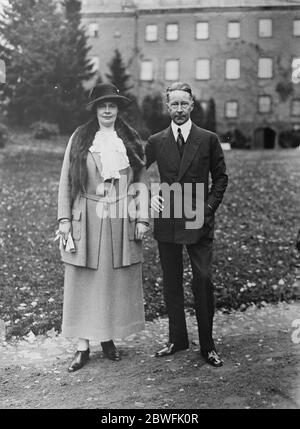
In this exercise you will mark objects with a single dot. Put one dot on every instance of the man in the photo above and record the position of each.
(186, 154)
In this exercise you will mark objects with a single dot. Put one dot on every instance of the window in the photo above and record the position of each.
(93, 30)
(202, 30)
(233, 30)
(204, 105)
(264, 104)
(296, 70)
(146, 70)
(172, 32)
(172, 70)
(151, 33)
(265, 28)
(265, 68)
(295, 108)
(232, 68)
(95, 62)
(231, 109)
(296, 63)
(203, 69)
(296, 27)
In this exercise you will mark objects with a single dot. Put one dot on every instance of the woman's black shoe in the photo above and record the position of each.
(79, 360)
(110, 351)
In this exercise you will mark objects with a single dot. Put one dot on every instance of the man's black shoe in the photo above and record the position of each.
(212, 358)
(170, 349)
(79, 360)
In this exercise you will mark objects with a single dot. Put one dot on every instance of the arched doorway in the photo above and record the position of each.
(264, 138)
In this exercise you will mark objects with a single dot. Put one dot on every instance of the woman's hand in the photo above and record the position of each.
(140, 230)
(64, 229)
(157, 203)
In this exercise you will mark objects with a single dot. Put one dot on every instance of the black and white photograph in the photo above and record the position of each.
(149, 207)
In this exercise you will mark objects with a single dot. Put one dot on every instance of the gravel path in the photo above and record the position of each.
(260, 347)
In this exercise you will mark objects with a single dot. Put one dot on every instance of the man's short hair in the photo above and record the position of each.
(179, 86)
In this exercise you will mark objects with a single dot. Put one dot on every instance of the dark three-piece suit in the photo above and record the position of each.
(202, 156)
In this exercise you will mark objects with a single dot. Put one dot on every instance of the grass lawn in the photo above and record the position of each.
(255, 231)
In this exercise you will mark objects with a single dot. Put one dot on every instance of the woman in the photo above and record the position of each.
(103, 296)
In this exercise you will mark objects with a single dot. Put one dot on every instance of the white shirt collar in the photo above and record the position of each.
(112, 152)
(185, 129)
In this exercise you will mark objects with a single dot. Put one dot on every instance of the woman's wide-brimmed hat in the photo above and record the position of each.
(106, 91)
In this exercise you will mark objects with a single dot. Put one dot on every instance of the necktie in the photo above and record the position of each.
(180, 142)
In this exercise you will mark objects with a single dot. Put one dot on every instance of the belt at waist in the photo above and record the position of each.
(105, 199)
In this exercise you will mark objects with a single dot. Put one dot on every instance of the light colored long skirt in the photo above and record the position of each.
(106, 303)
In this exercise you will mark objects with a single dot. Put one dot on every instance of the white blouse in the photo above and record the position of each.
(112, 152)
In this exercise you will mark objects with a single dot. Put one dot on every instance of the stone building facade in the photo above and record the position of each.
(243, 54)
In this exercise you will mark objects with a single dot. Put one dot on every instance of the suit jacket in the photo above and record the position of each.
(203, 156)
